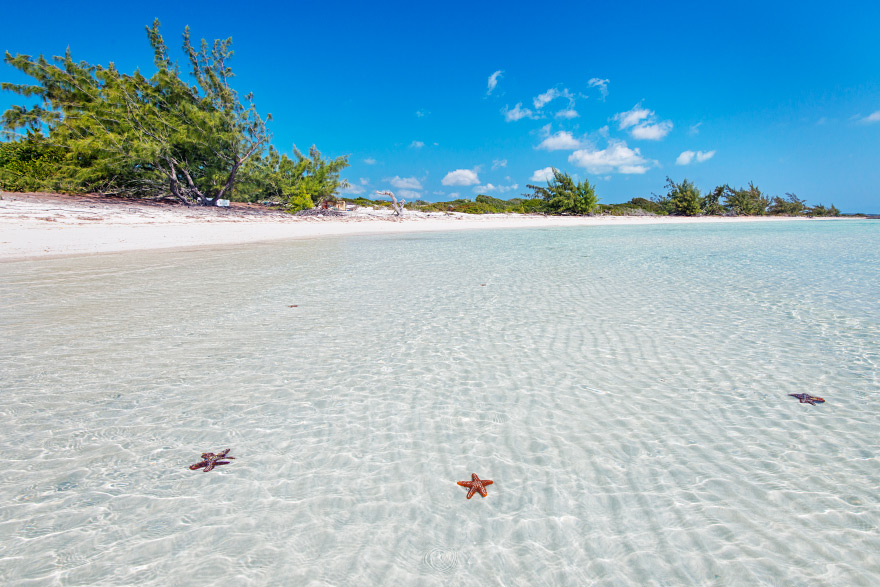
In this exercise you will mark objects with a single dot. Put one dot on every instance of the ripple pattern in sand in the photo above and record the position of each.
(625, 388)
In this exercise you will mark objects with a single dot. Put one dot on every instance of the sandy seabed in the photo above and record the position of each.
(36, 225)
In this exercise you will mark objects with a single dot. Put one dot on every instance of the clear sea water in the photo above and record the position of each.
(626, 388)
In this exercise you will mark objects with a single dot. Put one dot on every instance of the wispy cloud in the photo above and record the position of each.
(489, 188)
(545, 174)
(871, 118)
(542, 100)
(559, 141)
(568, 113)
(688, 157)
(461, 177)
(602, 84)
(615, 158)
(404, 182)
(365, 180)
(497, 163)
(421, 113)
(409, 195)
(643, 124)
(353, 190)
(632, 117)
(695, 128)
(370, 161)
(493, 81)
(516, 113)
(651, 132)
(416, 145)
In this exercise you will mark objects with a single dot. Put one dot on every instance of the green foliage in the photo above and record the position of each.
(748, 202)
(140, 136)
(279, 179)
(711, 203)
(683, 198)
(820, 210)
(790, 206)
(29, 164)
(563, 196)
(299, 199)
(159, 136)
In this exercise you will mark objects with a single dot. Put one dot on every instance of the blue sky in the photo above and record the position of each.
(785, 94)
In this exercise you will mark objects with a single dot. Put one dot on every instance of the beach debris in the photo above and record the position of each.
(396, 206)
(293, 306)
(476, 484)
(210, 460)
(806, 398)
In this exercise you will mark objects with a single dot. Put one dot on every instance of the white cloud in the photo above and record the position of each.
(542, 100)
(370, 161)
(873, 117)
(409, 195)
(421, 113)
(602, 84)
(651, 132)
(365, 180)
(704, 156)
(695, 128)
(617, 157)
(643, 124)
(488, 188)
(568, 113)
(416, 145)
(453, 195)
(516, 113)
(499, 163)
(404, 182)
(632, 117)
(560, 141)
(493, 80)
(687, 157)
(545, 174)
(461, 177)
(353, 189)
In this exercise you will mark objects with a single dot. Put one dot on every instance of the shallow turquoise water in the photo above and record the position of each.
(624, 387)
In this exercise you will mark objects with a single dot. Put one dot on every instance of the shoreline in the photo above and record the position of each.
(44, 226)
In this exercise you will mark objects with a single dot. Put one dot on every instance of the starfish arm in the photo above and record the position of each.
(222, 453)
(222, 462)
(487, 482)
(483, 491)
(198, 465)
(472, 491)
(466, 483)
(210, 466)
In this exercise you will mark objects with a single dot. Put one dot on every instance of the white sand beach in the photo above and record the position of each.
(53, 225)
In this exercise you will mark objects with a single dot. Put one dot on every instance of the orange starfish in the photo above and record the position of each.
(476, 484)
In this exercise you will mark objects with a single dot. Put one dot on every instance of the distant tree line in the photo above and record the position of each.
(562, 195)
(685, 199)
(97, 130)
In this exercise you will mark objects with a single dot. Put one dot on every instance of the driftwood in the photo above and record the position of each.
(396, 206)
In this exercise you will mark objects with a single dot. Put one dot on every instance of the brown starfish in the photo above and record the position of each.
(210, 460)
(476, 484)
(806, 398)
